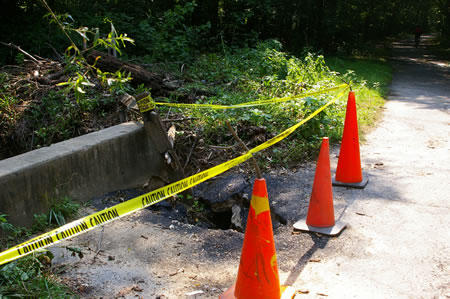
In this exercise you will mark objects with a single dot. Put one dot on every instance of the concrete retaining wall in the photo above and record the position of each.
(119, 157)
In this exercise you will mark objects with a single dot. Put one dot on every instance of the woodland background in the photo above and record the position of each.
(178, 29)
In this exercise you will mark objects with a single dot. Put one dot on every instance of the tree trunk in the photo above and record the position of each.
(139, 75)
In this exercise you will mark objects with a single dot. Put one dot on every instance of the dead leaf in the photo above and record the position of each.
(83, 287)
(379, 165)
(302, 292)
(314, 260)
(124, 291)
(127, 290)
(181, 270)
(171, 133)
(322, 294)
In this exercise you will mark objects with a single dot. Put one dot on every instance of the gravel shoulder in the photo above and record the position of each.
(395, 246)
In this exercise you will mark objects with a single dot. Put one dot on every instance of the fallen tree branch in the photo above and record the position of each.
(109, 63)
(11, 45)
(255, 164)
(60, 58)
(223, 147)
(179, 119)
(190, 154)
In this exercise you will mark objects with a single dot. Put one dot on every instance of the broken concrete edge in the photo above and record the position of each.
(120, 157)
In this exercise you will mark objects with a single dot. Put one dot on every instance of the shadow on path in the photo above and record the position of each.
(319, 243)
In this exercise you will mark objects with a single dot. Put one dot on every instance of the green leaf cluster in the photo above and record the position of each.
(57, 215)
(29, 277)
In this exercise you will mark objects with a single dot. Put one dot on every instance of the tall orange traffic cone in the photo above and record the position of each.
(348, 172)
(320, 218)
(258, 270)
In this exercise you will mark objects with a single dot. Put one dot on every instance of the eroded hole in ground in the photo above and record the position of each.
(222, 220)
(230, 213)
(223, 203)
(227, 214)
(219, 204)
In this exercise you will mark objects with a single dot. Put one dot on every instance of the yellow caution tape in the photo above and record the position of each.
(147, 103)
(88, 223)
(291, 130)
(115, 212)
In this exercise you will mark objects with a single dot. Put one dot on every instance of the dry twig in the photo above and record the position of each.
(190, 154)
(11, 45)
(255, 164)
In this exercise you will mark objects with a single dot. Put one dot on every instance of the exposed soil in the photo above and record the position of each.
(395, 245)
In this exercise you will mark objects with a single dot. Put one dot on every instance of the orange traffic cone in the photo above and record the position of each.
(320, 218)
(348, 172)
(258, 270)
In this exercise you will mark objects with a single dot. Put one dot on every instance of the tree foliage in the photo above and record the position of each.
(164, 29)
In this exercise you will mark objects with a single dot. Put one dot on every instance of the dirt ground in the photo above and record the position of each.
(396, 244)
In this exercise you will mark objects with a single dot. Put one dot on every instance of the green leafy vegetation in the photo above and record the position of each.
(8, 115)
(32, 117)
(231, 76)
(63, 210)
(241, 75)
(5, 225)
(57, 215)
(31, 276)
(179, 30)
(372, 78)
(60, 211)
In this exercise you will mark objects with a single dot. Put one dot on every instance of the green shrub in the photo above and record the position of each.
(265, 72)
(54, 119)
(29, 277)
(241, 75)
(62, 210)
(59, 212)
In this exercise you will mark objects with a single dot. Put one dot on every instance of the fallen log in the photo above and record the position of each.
(139, 75)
